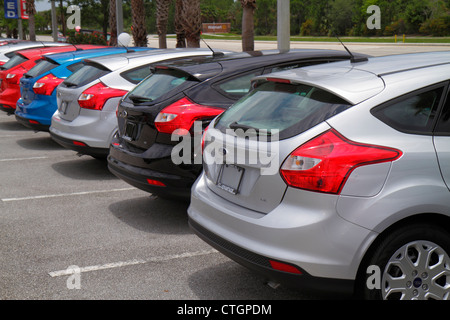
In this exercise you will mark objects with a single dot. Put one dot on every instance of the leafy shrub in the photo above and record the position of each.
(307, 28)
(86, 38)
(438, 27)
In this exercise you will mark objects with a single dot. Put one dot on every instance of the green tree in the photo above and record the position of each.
(31, 11)
(248, 8)
(340, 17)
(162, 17)
(112, 23)
(265, 17)
(191, 22)
(138, 29)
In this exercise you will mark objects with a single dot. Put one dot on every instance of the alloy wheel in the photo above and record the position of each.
(419, 270)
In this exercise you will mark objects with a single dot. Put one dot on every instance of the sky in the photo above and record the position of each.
(42, 5)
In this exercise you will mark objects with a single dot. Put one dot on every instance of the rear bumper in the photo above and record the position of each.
(7, 108)
(36, 115)
(173, 185)
(31, 123)
(89, 133)
(79, 146)
(8, 99)
(304, 231)
(262, 265)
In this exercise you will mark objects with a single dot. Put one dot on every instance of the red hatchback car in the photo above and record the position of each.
(19, 64)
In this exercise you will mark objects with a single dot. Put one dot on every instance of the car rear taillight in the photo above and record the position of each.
(14, 77)
(46, 85)
(95, 97)
(324, 163)
(182, 114)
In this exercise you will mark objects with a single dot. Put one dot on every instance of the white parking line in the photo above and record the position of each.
(16, 135)
(21, 159)
(120, 264)
(65, 194)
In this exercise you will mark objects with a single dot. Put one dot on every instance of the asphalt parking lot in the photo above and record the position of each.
(69, 229)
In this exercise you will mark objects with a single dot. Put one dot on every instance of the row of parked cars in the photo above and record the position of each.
(314, 168)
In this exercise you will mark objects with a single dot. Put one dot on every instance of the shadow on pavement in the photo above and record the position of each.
(84, 168)
(153, 214)
(39, 143)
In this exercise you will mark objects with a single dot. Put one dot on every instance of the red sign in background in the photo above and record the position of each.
(23, 9)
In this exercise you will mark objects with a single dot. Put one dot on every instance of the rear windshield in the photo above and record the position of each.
(287, 109)
(75, 66)
(136, 75)
(85, 75)
(13, 62)
(158, 84)
(10, 54)
(41, 67)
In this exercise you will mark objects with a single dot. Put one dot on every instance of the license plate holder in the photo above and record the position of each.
(130, 132)
(63, 107)
(230, 178)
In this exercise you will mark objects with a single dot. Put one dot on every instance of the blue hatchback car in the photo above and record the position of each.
(38, 95)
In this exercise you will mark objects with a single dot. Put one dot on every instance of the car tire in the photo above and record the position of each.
(411, 263)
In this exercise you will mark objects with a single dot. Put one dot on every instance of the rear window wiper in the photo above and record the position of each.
(70, 84)
(138, 99)
(235, 125)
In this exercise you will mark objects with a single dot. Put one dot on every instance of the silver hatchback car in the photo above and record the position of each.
(87, 100)
(336, 177)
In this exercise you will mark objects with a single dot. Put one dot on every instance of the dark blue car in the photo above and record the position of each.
(38, 95)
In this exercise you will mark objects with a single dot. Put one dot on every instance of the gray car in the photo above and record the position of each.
(336, 177)
(87, 100)
(8, 49)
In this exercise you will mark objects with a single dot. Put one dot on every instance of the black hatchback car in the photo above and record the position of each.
(174, 97)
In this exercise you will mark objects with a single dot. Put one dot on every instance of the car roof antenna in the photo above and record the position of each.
(352, 57)
(215, 54)
(76, 48)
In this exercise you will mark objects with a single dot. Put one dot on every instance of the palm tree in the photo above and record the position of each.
(113, 22)
(31, 11)
(179, 30)
(248, 7)
(187, 22)
(138, 23)
(63, 20)
(162, 16)
(192, 22)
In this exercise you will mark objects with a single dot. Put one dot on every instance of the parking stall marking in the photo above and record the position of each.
(65, 194)
(15, 135)
(21, 159)
(120, 264)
